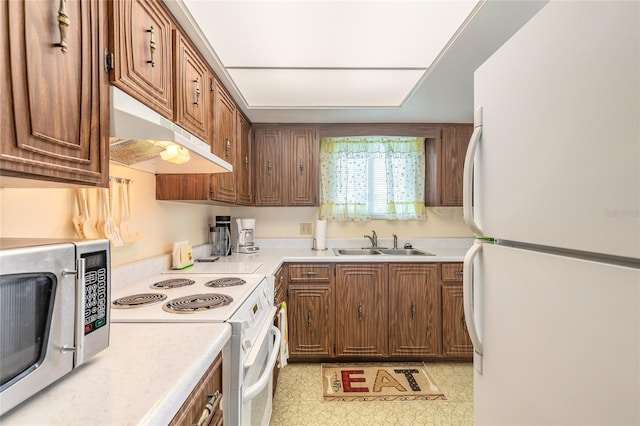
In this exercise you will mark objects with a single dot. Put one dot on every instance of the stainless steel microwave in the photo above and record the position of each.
(54, 311)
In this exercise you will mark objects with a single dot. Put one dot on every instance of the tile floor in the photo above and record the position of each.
(298, 401)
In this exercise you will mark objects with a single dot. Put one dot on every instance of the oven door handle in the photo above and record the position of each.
(259, 385)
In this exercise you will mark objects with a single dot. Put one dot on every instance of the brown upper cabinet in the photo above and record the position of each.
(445, 164)
(142, 47)
(55, 98)
(244, 161)
(191, 86)
(224, 143)
(287, 166)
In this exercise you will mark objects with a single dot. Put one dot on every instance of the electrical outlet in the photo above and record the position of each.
(305, 229)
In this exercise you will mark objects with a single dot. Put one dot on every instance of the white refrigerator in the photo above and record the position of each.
(552, 190)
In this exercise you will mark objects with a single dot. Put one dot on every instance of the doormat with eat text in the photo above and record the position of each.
(378, 382)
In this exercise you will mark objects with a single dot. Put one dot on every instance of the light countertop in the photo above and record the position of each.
(144, 376)
(274, 253)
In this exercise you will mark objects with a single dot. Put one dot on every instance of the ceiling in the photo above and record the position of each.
(310, 61)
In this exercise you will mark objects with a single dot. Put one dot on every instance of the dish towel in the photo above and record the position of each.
(282, 325)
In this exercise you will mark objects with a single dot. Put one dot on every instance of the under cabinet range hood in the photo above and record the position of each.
(142, 139)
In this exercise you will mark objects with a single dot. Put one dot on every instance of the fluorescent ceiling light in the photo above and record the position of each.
(377, 40)
(322, 88)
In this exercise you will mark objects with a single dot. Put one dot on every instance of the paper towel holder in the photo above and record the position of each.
(314, 247)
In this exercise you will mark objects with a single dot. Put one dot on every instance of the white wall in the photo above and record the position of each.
(284, 222)
(47, 212)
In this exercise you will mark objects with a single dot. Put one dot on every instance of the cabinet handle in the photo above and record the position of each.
(413, 311)
(360, 315)
(309, 319)
(152, 46)
(459, 272)
(63, 25)
(301, 166)
(208, 409)
(246, 162)
(269, 167)
(197, 91)
(310, 273)
(227, 150)
(464, 323)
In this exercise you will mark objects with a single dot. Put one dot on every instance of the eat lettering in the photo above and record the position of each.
(383, 379)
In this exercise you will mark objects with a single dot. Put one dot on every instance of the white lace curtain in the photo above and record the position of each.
(373, 175)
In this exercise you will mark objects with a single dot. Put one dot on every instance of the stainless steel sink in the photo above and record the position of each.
(406, 252)
(356, 252)
(380, 251)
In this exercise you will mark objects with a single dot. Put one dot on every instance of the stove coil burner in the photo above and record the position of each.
(138, 300)
(173, 283)
(226, 282)
(196, 303)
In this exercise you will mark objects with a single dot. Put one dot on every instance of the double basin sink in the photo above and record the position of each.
(373, 251)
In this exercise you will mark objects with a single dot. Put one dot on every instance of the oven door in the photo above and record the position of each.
(257, 381)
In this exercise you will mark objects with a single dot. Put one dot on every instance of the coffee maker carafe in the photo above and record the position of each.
(244, 235)
(220, 236)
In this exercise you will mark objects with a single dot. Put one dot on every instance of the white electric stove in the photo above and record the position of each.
(244, 301)
(224, 300)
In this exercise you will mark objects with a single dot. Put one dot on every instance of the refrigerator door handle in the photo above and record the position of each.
(467, 177)
(467, 297)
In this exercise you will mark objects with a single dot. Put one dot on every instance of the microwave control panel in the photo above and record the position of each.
(95, 291)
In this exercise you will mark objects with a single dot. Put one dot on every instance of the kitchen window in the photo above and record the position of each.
(372, 177)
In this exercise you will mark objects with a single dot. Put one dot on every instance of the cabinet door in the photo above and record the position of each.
(270, 169)
(55, 115)
(141, 43)
(311, 320)
(191, 80)
(414, 310)
(304, 166)
(361, 310)
(243, 167)
(207, 390)
(455, 337)
(280, 285)
(224, 144)
(455, 140)
(195, 187)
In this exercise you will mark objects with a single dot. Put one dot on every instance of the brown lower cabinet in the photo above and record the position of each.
(279, 296)
(376, 311)
(207, 390)
(311, 310)
(455, 337)
(361, 311)
(414, 311)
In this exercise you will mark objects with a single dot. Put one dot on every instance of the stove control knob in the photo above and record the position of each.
(246, 344)
(245, 324)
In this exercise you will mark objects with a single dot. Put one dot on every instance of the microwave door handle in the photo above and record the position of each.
(80, 308)
(257, 387)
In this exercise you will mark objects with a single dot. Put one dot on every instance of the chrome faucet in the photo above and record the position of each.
(395, 241)
(373, 239)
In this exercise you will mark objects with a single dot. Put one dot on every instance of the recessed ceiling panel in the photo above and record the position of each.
(337, 34)
(320, 88)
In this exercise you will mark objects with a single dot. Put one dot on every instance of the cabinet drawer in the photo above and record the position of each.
(310, 272)
(452, 272)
